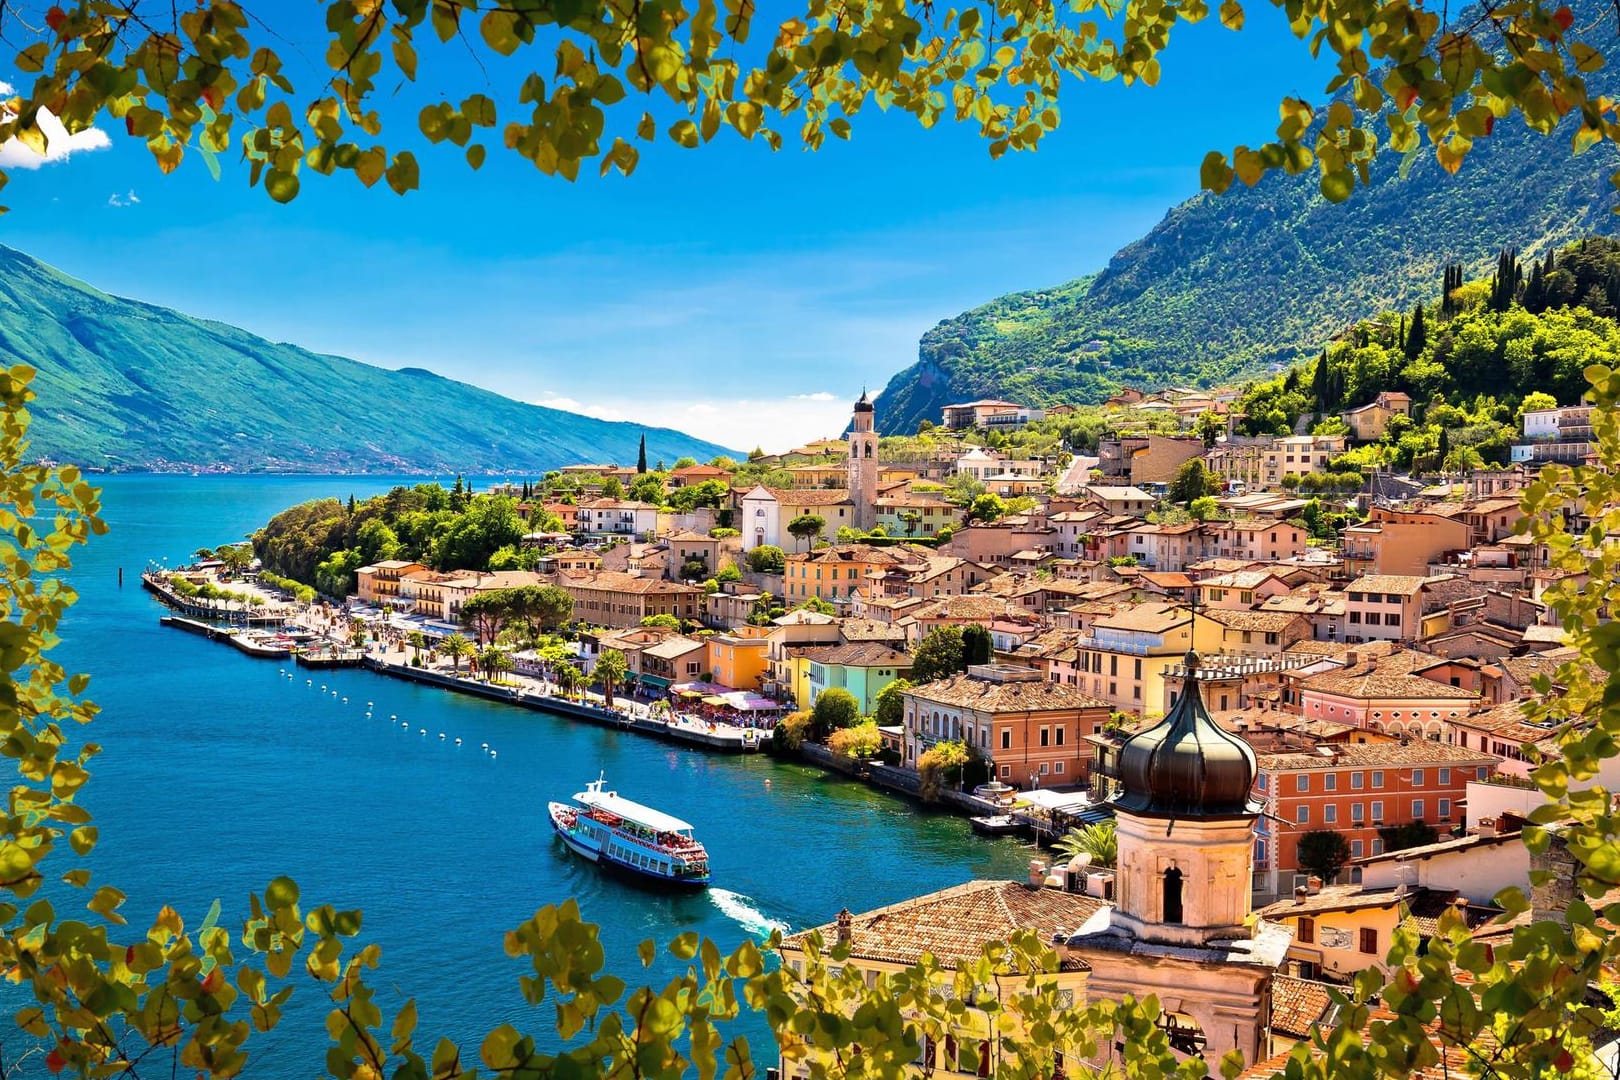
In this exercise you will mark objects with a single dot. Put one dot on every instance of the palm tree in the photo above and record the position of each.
(457, 646)
(493, 661)
(611, 669)
(237, 557)
(416, 640)
(1100, 841)
(568, 678)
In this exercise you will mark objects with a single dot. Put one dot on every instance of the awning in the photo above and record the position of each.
(1067, 802)
(653, 680)
(716, 700)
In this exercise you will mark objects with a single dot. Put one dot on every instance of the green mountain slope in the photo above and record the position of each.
(128, 385)
(1229, 285)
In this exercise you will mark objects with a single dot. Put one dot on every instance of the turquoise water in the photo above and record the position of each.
(219, 774)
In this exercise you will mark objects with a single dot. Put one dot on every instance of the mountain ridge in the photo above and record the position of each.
(1225, 287)
(128, 385)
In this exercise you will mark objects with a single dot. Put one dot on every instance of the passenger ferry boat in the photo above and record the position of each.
(623, 835)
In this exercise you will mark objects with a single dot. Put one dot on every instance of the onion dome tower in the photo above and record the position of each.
(1186, 817)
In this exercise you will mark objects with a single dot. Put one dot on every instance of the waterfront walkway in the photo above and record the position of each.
(391, 658)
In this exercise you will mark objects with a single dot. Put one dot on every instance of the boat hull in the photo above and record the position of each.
(585, 846)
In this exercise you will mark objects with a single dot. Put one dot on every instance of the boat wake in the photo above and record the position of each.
(741, 910)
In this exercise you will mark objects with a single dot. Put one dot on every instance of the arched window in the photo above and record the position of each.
(1172, 895)
(868, 449)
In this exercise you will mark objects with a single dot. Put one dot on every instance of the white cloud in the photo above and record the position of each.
(59, 145)
(775, 424)
(120, 201)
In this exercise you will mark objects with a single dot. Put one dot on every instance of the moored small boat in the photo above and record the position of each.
(614, 832)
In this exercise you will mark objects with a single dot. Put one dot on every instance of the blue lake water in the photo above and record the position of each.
(219, 774)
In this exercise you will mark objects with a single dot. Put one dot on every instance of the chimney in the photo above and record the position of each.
(1351, 658)
(1300, 893)
(1315, 884)
(1037, 873)
(846, 927)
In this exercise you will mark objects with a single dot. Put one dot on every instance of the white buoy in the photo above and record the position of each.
(345, 701)
(422, 731)
(323, 688)
(458, 742)
(369, 704)
(492, 753)
(404, 723)
(393, 716)
(309, 682)
(441, 734)
(484, 746)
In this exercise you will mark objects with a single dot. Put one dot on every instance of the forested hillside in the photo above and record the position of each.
(1235, 284)
(1473, 358)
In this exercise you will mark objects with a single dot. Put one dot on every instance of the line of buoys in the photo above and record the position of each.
(405, 725)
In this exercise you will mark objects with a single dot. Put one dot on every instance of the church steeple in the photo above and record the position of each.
(863, 463)
(1185, 817)
(1186, 765)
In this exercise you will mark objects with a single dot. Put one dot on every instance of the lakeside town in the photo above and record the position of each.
(1006, 636)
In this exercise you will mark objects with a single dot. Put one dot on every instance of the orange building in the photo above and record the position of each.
(1356, 789)
(740, 658)
(1031, 731)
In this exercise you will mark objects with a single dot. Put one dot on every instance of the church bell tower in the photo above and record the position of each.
(863, 464)
(1186, 827)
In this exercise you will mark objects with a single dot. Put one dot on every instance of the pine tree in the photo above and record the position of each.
(641, 455)
(1417, 336)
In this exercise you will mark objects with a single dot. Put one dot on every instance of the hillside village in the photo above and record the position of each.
(1269, 692)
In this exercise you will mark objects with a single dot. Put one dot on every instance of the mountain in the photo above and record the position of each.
(127, 385)
(1234, 284)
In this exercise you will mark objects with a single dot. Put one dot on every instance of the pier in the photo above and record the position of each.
(724, 738)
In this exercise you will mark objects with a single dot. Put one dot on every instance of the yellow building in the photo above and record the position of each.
(837, 572)
(740, 658)
(1342, 929)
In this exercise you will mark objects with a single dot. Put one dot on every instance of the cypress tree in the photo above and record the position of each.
(641, 455)
(1444, 449)
(1417, 336)
(351, 504)
(1319, 383)
(1400, 335)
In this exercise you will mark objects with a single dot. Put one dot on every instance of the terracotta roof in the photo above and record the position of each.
(1400, 584)
(961, 607)
(622, 582)
(953, 925)
(1153, 618)
(869, 630)
(1501, 718)
(983, 695)
(1367, 682)
(863, 553)
(1299, 1005)
(859, 654)
(1376, 755)
(1239, 579)
(1271, 622)
(675, 646)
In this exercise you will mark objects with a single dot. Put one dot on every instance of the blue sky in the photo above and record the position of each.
(741, 295)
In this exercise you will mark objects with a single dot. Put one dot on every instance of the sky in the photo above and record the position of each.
(742, 296)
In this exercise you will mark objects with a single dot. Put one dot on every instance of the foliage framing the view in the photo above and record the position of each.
(213, 78)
